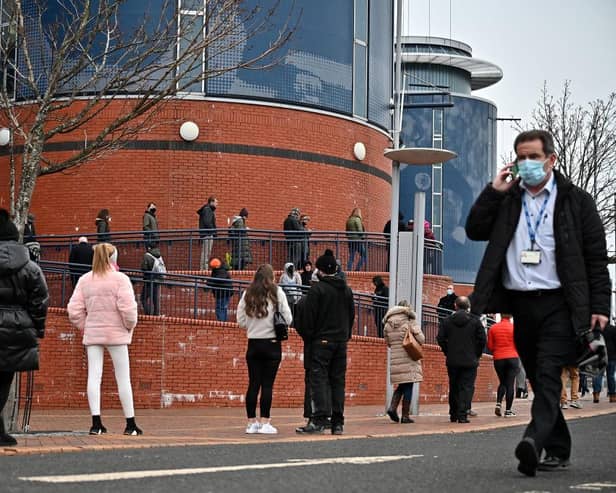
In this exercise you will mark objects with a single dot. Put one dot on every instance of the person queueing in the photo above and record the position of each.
(506, 363)
(255, 313)
(23, 309)
(103, 306)
(404, 370)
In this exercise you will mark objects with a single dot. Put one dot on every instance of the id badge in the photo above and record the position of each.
(531, 257)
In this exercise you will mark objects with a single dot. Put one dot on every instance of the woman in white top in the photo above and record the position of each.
(255, 312)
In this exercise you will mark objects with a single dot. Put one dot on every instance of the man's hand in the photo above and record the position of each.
(596, 318)
(500, 182)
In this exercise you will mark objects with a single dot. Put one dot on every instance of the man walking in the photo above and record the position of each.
(546, 264)
(462, 339)
(446, 303)
(207, 230)
(327, 321)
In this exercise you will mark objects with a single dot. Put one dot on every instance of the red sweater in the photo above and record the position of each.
(500, 340)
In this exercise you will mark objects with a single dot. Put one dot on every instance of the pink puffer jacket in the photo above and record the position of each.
(104, 307)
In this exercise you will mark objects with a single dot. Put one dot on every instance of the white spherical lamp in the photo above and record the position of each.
(5, 136)
(359, 151)
(189, 131)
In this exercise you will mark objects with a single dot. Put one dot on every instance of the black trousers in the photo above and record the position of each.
(461, 389)
(506, 369)
(307, 391)
(6, 378)
(263, 357)
(328, 374)
(545, 340)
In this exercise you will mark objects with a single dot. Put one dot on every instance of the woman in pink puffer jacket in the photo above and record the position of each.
(103, 306)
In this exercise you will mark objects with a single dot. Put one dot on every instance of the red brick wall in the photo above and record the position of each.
(178, 362)
(180, 182)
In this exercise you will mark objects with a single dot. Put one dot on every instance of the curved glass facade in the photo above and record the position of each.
(469, 129)
(339, 57)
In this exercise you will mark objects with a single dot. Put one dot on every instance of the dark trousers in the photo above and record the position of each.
(149, 298)
(545, 341)
(6, 378)
(307, 391)
(506, 369)
(461, 389)
(328, 374)
(263, 357)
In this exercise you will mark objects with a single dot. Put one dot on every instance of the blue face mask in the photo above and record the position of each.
(531, 171)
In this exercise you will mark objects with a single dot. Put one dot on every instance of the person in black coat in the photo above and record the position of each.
(462, 338)
(380, 304)
(150, 293)
(103, 228)
(23, 309)
(610, 345)
(207, 230)
(294, 234)
(546, 264)
(80, 259)
(446, 303)
(221, 287)
(327, 315)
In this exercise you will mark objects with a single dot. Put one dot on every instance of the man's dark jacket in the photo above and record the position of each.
(327, 311)
(291, 224)
(462, 339)
(207, 221)
(447, 302)
(81, 254)
(23, 308)
(581, 257)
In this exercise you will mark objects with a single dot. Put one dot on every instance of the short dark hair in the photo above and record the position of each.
(462, 303)
(211, 199)
(377, 280)
(543, 135)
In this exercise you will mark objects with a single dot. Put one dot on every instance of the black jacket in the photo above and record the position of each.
(23, 308)
(220, 283)
(81, 254)
(207, 220)
(290, 225)
(328, 311)
(462, 339)
(581, 256)
(610, 341)
(147, 264)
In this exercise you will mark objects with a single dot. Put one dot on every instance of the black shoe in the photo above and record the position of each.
(7, 440)
(526, 453)
(301, 429)
(133, 430)
(337, 429)
(463, 420)
(551, 463)
(328, 425)
(393, 415)
(406, 419)
(453, 419)
(98, 430)
(312, 429)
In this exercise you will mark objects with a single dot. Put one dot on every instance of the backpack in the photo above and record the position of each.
(159, 265)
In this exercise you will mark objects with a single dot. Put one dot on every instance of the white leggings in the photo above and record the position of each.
(121, 367)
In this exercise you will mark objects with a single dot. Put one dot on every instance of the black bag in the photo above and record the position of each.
(280, 326)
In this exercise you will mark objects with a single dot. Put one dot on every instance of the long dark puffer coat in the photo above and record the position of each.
(23, 308)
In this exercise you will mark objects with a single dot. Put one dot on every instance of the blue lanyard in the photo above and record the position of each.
(532, 232)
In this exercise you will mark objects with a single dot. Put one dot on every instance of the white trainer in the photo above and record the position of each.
(576, 404)
(253, 428)
(267, 429)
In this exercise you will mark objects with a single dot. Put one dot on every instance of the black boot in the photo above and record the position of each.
(97, 426)
(406, 412)
(6, 440)
(132, 428)
(392, 410)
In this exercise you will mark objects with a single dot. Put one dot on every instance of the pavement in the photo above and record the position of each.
(57, 431)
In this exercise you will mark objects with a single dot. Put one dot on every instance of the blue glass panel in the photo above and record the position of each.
(314, 67)
(361, 20)
(380, 63)
(468, 131)
(360, 82)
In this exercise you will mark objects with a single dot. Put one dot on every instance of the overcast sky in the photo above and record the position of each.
(532, 42)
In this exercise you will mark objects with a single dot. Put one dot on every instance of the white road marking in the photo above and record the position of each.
(593, 486)
(116, 476)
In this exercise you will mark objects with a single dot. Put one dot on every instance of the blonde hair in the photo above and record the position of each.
(101, 263)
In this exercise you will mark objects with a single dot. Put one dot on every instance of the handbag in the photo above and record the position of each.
(411, 346)
(281, 327)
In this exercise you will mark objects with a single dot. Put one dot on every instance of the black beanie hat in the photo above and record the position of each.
(327, 264)
(8, 230)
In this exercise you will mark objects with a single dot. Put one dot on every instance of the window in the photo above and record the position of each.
(191, 31)
(360, 59)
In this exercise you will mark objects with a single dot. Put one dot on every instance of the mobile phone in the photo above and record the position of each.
(514, 170)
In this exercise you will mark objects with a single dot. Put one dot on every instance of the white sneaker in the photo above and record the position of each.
(576, 404)
(253, 428)
(564, 405)
(267, 429)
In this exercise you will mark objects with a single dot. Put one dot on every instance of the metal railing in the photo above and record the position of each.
(194, 297)
(246, 249)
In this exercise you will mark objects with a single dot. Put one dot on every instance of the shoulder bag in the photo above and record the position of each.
(411, 346)
(280, 326)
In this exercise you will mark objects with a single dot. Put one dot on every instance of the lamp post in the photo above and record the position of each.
(413, 156)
